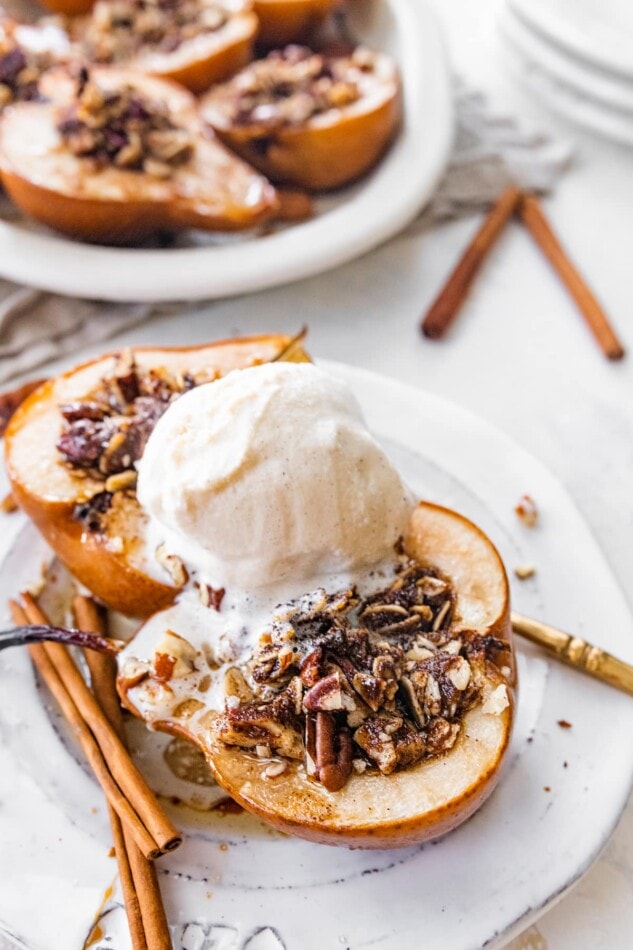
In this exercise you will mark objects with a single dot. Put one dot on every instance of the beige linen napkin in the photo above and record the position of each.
(36, 327)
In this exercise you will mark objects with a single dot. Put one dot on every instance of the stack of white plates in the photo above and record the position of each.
(577, 55)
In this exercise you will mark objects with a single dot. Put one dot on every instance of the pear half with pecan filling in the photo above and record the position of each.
(71, 449)
(117, 157)
(192, 42)
(307, 119)
(390, 730)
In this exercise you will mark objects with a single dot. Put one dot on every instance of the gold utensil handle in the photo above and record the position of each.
(577, 653)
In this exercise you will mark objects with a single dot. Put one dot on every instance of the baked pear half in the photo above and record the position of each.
(387, 728)
(70, 453)
(306, 119)
(192, 42)
(290, 21)
(117, 157)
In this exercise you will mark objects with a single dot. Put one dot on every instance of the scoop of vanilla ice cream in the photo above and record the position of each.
(270, 474)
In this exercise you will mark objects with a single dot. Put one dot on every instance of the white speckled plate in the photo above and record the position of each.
(589, 96)
(235, 885)
(612, 91)
(597, 31)
(347, 224)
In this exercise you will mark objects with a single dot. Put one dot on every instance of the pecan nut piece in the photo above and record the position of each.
(390, 742)
(333, 751)
(255, 724)
(325, 696)
(310, 671)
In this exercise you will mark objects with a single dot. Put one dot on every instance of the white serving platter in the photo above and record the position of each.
(346, 225)
(236, 885)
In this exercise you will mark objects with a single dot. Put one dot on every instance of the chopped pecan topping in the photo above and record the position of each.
(333, 752)
(173, 565)
(441, 736)
(236, 688)
(293, 85)
(211, 596)
(326, 695)
(381, 680)
(105, 434)
(412, 701)
(125, 129)
(478, 649)
(390, 742)
(134, 672)
(122, 481)
(310, 671)
(348, 684)
(174, 657)
(164, 667)
(275, 724)
(91, 512)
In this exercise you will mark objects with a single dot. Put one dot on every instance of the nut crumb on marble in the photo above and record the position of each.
(525, 571)
(526, 511)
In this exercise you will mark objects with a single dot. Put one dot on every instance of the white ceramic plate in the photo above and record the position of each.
(346, 226)
(235, 885)
(598, 31)
(615, 92)
(569, 100)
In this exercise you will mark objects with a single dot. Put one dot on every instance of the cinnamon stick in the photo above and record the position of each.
(123, 770)
(123, 844)
(446, 305)
(103, 668)
(87, 741)
(145, 910)
(533, 217)
(88, 618)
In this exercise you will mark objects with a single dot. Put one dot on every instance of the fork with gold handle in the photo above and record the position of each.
(576, 653)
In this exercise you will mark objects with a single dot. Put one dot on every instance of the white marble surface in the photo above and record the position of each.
(519, 355)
